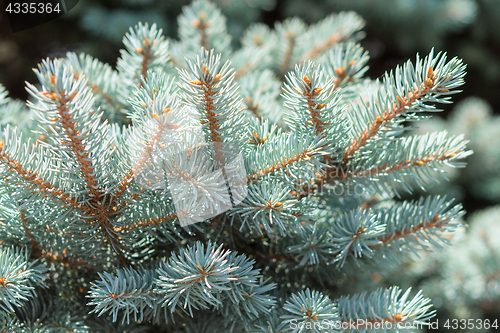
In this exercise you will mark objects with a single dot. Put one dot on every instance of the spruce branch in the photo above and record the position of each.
(127, 291)
(405, 93)
(37, 251)
(195, 277)
(310, 97)
(199, 278)
(408, 232)
(313, 102)
(18, 277)
(145, 49)
(400, 97)
(299, 43)
(289, 31)
(308, 310)
(101, 78)
(386, 233)
(309, 91)
(12, 156)
(412, 158)
(383, 307)
(159, 124)
(373, 233)
(89, 192)
(354, 233)
(313, 245)
(268, 208)
(330, 31)
(248, 294)
(65, 104)
(346, 62)
(65, 108)
(209, 88)
(202, 25)
(299, 157)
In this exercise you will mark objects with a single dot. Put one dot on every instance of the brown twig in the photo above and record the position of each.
(97, 90)
(310, 94)
(208, 102)
(201, 25)
(146, 53)
(434, 223)
(369, 202)
(253, 107)
(74, 136)
(245, 69)
(315, 51)
(288, 54)
(305, 155)
(402, 165)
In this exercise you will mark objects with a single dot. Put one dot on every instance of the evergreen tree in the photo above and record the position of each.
(198, 188)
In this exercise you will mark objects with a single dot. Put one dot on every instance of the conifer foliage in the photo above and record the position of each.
(198, 188)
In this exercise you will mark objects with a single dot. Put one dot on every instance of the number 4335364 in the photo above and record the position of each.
(470, 324)
(32, 8)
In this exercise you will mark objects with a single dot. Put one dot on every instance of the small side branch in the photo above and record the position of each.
(33, 178)
(436, 222)
(208, 102)
(305, 155)
(318, 49)
(209, 91)
(397, 109)
(74, 136)
(313, 107)
(127, 179)
(384, 169)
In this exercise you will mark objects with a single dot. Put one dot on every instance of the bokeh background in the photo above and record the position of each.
(463, 280)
